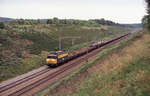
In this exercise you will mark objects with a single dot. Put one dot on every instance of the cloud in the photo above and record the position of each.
(122, 11)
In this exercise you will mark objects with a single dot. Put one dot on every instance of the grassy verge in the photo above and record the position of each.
(81, 70)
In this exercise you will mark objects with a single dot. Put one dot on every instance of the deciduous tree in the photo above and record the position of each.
(2, 25)
(146, 19)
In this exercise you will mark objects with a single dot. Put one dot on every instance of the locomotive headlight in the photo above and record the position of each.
(47, 61)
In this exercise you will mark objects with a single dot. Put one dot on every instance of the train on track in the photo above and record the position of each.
(59, 57)
(56, 58)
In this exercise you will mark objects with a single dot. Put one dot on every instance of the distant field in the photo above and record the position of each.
(24, 47)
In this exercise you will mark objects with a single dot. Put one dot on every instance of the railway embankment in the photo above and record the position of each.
(121, 69)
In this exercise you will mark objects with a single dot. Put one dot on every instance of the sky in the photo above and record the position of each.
(120, 11)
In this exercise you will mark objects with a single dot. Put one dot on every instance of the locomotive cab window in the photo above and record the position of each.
(54, 57)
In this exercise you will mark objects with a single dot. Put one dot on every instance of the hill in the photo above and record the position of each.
(5, 20)
(136, 25)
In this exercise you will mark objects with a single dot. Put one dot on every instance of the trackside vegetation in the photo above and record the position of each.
(100, 76)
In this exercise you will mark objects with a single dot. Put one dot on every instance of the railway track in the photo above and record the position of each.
(6, 87)
(49, 79)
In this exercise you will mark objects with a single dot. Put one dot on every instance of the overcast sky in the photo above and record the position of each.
(121, 11)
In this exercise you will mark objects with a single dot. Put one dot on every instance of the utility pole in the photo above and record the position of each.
(60, 43)
(87, 48)
(72, 37)
(73, 41)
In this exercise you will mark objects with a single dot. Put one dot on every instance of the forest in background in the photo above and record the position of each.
(146, 18)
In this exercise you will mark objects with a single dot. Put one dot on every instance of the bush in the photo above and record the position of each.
(2, 25)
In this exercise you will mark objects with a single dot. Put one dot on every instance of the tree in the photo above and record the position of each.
(2, 25)
(63, 21)
(38, 21)
(21, 21)
(56, 20)
(27, 22)
(148, 6)
(13, 22)
(76, 22)
(49, 21)
(146, 19)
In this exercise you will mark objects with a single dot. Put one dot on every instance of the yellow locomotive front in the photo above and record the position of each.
(51, 60)
(55, 58)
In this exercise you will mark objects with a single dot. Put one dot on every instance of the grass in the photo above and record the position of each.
(132, 80)
(62, 85)
(20, 66)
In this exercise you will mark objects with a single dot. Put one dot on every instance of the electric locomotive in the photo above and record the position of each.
(56, 58)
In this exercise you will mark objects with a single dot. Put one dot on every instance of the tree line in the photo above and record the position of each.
(93, 22)
(146, 18)
(25, 21)
(56, 21)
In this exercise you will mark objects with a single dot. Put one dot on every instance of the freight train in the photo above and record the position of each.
(56, 58)
(59, 57)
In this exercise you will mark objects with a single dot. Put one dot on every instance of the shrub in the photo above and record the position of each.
(2, 25)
